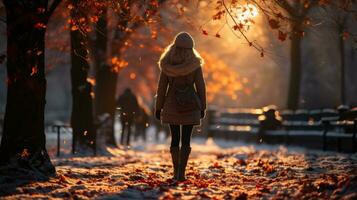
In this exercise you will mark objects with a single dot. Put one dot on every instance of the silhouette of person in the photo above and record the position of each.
(128, 108)
(270, 120)
(181, 97)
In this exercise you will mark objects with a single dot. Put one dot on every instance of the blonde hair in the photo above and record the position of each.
(177, 55)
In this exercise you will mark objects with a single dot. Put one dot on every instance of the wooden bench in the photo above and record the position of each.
(345, 125)
(244, 124)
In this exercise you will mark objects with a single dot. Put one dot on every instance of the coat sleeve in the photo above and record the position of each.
(201, 88)
(161, 91)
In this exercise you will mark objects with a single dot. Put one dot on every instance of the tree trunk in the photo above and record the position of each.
(342, 75)
(23, 136)
(84, 133)
(106, 80)
(295, 69)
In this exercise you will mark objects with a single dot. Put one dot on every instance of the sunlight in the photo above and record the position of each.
(246, 13)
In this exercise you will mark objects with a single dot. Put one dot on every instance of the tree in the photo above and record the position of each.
(297, 11)
(339, 21)
(107, 69)
(105, 77)
(288, 18)
(23, 136)
(84, 133)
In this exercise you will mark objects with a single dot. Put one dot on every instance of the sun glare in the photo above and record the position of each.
(247, 13)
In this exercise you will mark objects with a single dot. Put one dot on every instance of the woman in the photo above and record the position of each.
(181, 97)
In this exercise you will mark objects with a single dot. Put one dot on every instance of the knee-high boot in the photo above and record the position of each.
(184, 155)
(175, 153)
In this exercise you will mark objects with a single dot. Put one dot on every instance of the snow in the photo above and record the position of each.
(217, 169)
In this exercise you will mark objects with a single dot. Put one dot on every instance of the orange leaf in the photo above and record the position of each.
(274, 24)
(282, 36)
(40, 25)
(345, 35)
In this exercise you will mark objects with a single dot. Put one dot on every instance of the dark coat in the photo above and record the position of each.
(128, 105)
(167, 102)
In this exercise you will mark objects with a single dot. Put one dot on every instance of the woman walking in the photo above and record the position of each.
(181, 97)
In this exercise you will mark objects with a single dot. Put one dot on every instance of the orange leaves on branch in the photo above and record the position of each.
(40, 25)
(345, 35)
(74, 28)
(238, 26)
(92, 81)
(118, 64)
(279, 15)
(323, 2)
(218, 15)
(282, 36)
(34, 70)
(307, 21)
(221, 79)
(273, 23)
(41, 10)
(70, 6)
(132, 76)
(154, 3)
(153, 34)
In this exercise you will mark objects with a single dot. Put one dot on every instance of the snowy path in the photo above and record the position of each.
(243, 172)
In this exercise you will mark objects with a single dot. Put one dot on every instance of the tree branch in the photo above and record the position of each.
(287, 7)
(251, 43)
(119, 34)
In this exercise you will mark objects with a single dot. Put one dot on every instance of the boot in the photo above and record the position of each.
(184, 154)
(175, 152)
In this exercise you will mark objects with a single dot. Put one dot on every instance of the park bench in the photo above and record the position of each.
(343, 125)
(300, 126)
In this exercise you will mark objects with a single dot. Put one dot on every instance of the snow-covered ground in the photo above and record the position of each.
(216, 170)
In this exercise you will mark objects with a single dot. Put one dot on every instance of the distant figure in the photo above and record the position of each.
(181, 97)
(128, 108)
(141, 123)
(270, 120)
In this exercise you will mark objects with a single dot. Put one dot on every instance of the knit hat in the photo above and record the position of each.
(184, 40)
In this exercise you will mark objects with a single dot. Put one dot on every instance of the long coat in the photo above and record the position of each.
(167, 102)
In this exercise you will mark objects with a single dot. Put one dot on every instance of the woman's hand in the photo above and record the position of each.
(203, 113)
(158, 114)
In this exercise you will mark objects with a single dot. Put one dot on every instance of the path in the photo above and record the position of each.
(214, 173)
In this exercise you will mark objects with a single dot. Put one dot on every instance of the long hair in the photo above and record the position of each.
(176, 55)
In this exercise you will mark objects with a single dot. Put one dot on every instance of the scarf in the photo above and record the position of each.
(189, 65)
